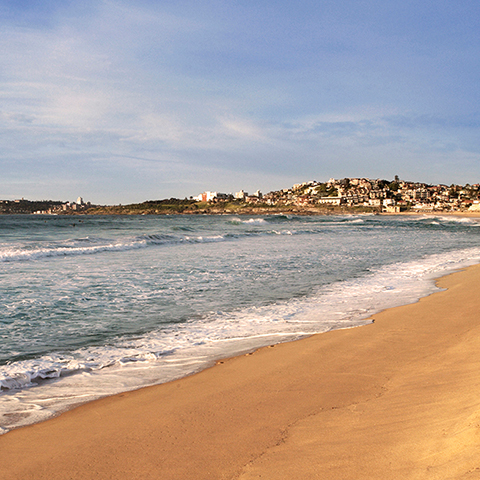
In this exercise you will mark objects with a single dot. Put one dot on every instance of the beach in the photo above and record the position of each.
(398, 398)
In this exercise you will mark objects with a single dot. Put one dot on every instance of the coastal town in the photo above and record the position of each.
(381, 195)
(334, 196)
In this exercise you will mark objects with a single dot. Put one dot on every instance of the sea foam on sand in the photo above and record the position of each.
(398, 398)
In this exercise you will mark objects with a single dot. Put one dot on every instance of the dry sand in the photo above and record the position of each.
(397, 399)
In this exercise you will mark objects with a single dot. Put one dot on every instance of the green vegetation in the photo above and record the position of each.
(236, 207)
(150, 207)
(25, 206)
(394, 186)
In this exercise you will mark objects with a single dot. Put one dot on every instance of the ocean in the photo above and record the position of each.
(96, 305)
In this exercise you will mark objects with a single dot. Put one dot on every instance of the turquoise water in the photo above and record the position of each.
(92, 306)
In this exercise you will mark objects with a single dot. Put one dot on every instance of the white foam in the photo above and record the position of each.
(178, 350)
(8, 254)
(252, 221)
(439, 219)
(462, 220)
(356, 220)
(39, 253)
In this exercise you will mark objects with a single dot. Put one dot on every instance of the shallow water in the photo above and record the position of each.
(92, 306)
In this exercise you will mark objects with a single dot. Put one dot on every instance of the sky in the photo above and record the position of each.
(121, 101)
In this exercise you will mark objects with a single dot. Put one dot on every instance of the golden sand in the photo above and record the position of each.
(397, 399)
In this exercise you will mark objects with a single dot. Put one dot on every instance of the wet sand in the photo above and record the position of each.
(399, 398)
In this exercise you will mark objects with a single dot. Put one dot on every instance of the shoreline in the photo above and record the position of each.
(259, 211)
(330, 403)
(293, 211)
(67, 385)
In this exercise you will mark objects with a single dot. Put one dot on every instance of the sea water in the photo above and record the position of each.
(96, 305)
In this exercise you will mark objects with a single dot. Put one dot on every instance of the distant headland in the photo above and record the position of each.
(347, 195)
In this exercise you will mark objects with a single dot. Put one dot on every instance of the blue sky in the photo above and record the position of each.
(121, 101)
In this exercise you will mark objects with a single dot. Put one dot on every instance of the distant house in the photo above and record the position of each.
(331, 200)
(210, 196)
(303, 200)
(392, 208)
(241, 195)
